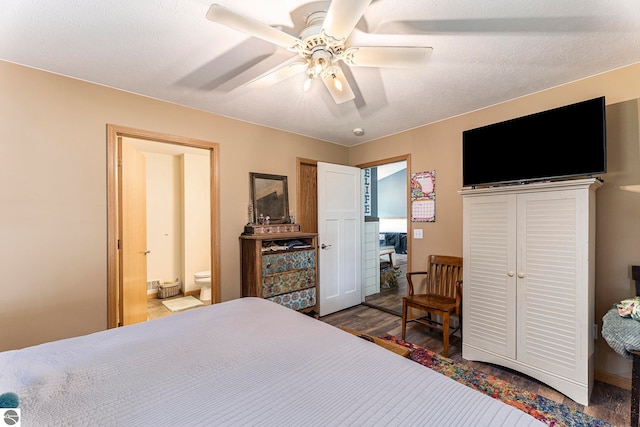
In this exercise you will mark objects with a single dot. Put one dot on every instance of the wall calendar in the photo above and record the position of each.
(423, 196)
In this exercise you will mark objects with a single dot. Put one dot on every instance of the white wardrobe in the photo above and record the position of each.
(528, 288)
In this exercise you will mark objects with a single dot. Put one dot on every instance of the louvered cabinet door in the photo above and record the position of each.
(552, 290)
(529, 285)
(489, 284)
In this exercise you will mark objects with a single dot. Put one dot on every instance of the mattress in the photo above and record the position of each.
(243, 362)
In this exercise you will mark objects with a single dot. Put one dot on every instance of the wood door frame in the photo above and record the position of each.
(407, 159)
(113, 133)
(302, 187)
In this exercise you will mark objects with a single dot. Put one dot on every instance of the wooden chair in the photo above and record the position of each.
(443, 296)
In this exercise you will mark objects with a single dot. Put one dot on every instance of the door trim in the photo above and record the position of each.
(306, 216)
(113, 133)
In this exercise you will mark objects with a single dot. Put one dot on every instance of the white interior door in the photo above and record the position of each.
(340, 223)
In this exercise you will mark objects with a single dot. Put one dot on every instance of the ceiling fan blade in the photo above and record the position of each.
(278, 75)
(383, 56)
(254, 28)
(337, 84)
(341, 19)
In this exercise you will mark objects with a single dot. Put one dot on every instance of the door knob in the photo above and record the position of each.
(147, 252)
(323, 246)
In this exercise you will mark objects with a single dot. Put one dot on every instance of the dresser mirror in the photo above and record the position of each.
(270, 198)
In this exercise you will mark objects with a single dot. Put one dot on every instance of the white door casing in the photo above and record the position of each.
(340, 228)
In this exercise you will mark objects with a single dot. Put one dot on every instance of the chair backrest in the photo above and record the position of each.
(444, 273)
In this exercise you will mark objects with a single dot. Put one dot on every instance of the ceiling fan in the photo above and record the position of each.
(321, 45)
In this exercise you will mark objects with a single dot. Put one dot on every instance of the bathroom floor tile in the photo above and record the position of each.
(156, 310)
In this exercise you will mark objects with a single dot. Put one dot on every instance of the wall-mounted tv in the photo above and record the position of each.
(564, 142)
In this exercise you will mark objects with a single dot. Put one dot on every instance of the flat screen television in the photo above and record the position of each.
(564, 142)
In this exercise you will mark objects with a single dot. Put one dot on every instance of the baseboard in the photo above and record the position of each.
(615, 380)
(152, 295)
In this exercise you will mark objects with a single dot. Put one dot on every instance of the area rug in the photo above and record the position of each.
(543, 409)
(183, 303)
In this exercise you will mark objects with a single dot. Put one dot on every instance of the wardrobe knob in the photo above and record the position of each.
(510, 274)
(521, 275)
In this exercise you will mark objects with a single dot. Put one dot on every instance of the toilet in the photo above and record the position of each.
(203, 280)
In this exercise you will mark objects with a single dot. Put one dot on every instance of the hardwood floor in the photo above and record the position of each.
(608, 403)
(390, 296)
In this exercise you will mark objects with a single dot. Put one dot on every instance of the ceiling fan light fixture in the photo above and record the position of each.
(319, 61)
(329, 78)
(337, 83)
(321, 46)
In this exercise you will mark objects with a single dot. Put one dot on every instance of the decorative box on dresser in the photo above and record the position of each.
(286, 276)
(528, 277)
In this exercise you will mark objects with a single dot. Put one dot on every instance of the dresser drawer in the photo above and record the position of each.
(282, 268)
(286, 261)
(298, 300)
(289, 281)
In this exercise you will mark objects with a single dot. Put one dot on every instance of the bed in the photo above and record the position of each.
(243, 362)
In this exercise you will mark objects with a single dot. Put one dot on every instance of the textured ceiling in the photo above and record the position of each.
(484, 52)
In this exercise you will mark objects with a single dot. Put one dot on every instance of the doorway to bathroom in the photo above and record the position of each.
(163, 210)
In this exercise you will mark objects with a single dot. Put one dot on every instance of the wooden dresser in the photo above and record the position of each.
(281, 268)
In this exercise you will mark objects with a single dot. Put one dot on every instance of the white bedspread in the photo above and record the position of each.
(243, 362)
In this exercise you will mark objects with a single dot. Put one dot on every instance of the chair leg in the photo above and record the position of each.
(404, 318)
(445, 334)
(430, 321)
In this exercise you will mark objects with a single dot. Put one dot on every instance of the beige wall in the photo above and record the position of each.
(164, 216)
(53, 215)
(438, 146)
(53, 170)
(196, 223)
(617, 224)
